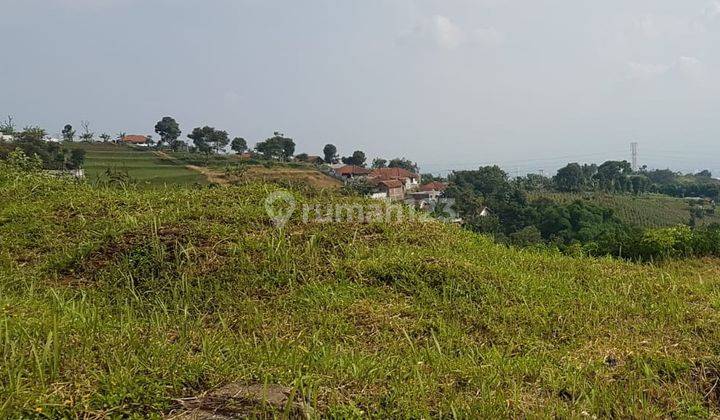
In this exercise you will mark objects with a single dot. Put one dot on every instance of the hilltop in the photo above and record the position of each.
(125, 301)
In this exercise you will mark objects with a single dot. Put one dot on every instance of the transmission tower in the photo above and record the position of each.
(634, 148)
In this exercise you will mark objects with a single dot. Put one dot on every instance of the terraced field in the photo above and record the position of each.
(648, 211)
(142, 166)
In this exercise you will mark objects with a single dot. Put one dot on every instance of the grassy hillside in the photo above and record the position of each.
(142, 166)
(115, 302)
(648, 211)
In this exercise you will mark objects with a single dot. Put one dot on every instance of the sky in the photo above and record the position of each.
(451, 84)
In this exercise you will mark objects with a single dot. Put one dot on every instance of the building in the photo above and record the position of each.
(7, 138)
(410, 180)
(134, 139)
(351, 172)
(434, 186)
(392, 188)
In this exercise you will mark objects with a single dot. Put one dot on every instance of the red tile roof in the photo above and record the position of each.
(393, 173)
(434, 186)
(391, 183)
(134, 139)
(352, 170)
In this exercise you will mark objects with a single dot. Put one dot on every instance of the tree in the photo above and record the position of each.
(704, 174)
(77, 158)
(105, 137)
(169, 131)
(8, 127)
(378, 163)
(68, 134)
(403, 163)
(276, 147)
(239, 145)
(570, 178)
(32, 133)
(207, 139)
(87, 135)
(357, 159)
(330, 153)
(119, 137)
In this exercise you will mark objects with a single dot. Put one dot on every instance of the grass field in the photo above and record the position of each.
(647, 211)
(143, 166)
(118, 302)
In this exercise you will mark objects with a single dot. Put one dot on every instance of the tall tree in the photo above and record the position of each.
(570, 178)
(68, 134)
(276, 147)
(87, 135)
(7, 127)
(378, 163)
(169, 131)
(330, 153)
(105, 137)
(239, 145)
(208, 139)
(403, 163)
(357, 159)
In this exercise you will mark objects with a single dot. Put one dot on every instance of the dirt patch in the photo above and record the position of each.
(707, 380)
(209, 174)
(309, 177)
(235, 401)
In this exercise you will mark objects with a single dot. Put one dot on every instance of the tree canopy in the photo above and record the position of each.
(169, 131)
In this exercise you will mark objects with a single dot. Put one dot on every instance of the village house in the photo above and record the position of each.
(351, 172)
(135, 140)
(434, 186)
(410, 180)
(392, 189)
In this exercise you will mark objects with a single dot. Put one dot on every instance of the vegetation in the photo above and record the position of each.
(277, 147)
(143, 167)
(645, 211)
(357, 158)
(119, 302)
(169, 131)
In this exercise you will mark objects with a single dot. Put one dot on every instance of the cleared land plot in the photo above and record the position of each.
(142, 166)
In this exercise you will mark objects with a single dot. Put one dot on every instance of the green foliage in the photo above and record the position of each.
(403, 163)
(169, 131)
(378, 163)
(18, 160)
(277, 147)
(68, 134)
(358, 159)
(121, 301)
(357, 187)
(330, 153)
(239, 145)
(208, 140)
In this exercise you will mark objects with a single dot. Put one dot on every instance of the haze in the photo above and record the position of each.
(451, 84)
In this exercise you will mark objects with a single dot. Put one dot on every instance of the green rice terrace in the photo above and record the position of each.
(173, 302)
(143, 166)
(646, 210)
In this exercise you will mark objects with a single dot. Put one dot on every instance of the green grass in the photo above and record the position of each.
(143, 166)
(117, 302)
(647, 211)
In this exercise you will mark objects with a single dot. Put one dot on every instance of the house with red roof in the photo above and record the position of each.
(135, 140)
(410, 180)
(351, 171)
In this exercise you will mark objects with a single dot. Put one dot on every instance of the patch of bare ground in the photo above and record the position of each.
(234, 401)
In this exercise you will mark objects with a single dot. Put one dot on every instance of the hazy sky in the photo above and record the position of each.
(455, 83)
